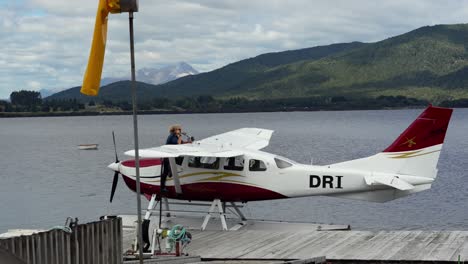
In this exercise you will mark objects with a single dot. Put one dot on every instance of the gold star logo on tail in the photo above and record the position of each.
(410, 142)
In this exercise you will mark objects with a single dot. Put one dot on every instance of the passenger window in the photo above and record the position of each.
(282, 163)
(256, 165)
(234, 163)
(194, 162)
(204, 162)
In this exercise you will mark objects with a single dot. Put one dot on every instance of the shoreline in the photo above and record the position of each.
(159, 112)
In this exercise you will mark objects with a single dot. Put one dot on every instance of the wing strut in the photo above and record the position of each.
(175, 175)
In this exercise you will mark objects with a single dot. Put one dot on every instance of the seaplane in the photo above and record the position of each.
(231, 168)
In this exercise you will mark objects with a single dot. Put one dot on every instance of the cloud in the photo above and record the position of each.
(33, 85)
(45, 43)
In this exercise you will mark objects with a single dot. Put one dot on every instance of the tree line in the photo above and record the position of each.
(209, 104)
(31, 101)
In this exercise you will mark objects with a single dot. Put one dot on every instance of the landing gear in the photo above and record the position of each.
(222, 214)
(217, 208)
(238, 211)
(154, 202)
(146, 221)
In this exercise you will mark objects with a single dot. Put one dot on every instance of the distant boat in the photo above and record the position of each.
(88, 146)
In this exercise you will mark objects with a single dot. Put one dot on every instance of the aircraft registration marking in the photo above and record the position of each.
(325, 181)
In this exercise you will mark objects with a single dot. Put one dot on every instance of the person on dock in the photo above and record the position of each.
(174, 138)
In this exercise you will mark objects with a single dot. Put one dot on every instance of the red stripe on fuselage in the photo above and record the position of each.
(208, 191)
(143, 163)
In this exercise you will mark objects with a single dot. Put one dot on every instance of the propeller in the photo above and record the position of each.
(115, 148)
(116, 174)
(114, 185)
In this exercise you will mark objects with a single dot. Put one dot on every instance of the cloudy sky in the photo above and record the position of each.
(44, 44)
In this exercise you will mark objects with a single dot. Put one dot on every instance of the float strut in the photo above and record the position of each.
(222, 216)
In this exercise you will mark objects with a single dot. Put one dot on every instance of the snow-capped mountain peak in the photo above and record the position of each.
(165, 74)
(147, 75)
(157, 75)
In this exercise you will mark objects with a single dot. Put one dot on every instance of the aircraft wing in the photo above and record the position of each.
(249, 138)
(172, 151)
(229, 144)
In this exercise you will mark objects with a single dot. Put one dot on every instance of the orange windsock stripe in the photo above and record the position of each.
(92, 76)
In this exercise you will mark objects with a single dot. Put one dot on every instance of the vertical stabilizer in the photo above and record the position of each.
(415, 152)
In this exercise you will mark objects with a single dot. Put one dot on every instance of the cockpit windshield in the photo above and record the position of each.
(283, 162)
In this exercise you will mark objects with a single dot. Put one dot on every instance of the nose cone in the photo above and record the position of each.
(114, 166)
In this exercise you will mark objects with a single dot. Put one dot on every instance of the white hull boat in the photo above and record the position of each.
(88, 146)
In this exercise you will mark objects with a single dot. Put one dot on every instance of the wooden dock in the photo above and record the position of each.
(383, 246)
(283, 241)
(256, 242)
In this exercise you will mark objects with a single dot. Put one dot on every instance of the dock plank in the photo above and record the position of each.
(310, 239)
(271, 248)
(259, 241)
(353, 242)
(409, 247)
(463, 251)
(450, 246)
(233, 244)
(310, 248)
(326, 246)
(291, 250)
(367, 245)
(395, 242)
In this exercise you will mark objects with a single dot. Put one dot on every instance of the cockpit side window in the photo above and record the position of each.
(194, 162)
(204, 162)
(234, 163)
(256, 165)
(280, 163)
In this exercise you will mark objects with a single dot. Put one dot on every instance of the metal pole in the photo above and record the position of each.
(135, 133)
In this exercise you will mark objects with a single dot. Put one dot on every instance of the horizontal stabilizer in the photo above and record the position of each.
(392, 181)
(381, 196)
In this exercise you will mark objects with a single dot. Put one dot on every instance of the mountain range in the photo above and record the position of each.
(427, 63)
(156, 75)
(148, 75)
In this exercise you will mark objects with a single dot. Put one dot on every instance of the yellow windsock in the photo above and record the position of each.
(92, 77)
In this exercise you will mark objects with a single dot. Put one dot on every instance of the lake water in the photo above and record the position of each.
(45, 178)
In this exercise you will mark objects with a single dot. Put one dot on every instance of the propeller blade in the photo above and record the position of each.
(114, 185)
(115, 148)
(116, 174)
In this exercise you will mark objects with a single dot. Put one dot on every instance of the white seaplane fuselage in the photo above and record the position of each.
(277, 178)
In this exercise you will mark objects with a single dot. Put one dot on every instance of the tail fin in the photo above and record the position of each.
(415, 152)
(426, 131)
